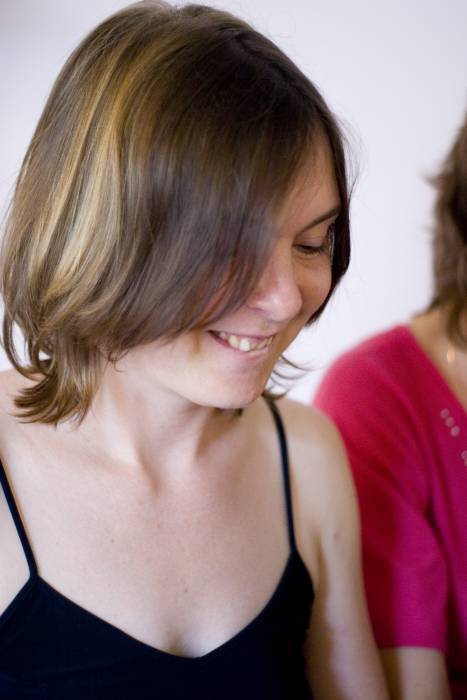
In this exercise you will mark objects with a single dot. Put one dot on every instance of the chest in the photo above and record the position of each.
(180, 569)
(446, 454)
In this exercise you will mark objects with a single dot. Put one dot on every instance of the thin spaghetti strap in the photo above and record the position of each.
(18, 522)
(285, 471)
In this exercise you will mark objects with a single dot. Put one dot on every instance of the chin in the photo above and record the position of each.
(236, 405)
(231, 398)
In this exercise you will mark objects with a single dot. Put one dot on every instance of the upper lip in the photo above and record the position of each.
(253, 336)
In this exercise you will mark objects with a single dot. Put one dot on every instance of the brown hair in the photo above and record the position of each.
(450, 238)
(170, 138)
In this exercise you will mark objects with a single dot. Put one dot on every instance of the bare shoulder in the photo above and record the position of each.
(325, 506)
(11, 384)
(318, 459)
(313, 439)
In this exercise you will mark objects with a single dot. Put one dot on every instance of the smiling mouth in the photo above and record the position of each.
(243, 343)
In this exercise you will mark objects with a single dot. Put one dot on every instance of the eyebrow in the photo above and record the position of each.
(323, 217)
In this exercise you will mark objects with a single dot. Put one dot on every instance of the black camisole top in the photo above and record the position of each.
(53, 649)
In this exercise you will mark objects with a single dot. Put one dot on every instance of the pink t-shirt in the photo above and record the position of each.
(406, 436)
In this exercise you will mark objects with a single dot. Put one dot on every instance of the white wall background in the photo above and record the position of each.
(395, 72)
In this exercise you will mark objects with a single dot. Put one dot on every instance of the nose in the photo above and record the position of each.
(277, 294)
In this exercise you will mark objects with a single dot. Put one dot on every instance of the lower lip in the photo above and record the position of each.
(250, 353)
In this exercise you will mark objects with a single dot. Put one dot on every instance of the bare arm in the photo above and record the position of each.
(414, 673)
(407, 575)
(342, 659)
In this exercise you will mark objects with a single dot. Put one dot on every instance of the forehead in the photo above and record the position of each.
(314, 190)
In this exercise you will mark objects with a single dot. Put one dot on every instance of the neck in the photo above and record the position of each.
(137, 421)
(430, 330)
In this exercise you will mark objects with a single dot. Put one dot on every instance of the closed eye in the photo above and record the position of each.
(324, 248)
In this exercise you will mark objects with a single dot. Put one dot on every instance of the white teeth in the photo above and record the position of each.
(244, 344)
(265, 343)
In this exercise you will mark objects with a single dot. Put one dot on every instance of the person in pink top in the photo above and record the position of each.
(399, 400)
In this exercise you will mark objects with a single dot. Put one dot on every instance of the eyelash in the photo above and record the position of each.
(326, 247)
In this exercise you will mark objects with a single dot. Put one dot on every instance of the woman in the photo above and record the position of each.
(182, 212)
(400, 401)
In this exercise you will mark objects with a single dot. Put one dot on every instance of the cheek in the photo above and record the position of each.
(315, 286)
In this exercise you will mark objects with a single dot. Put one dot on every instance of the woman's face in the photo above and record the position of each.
(228, 364)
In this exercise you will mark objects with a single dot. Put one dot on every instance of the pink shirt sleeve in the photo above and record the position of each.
(404, 569)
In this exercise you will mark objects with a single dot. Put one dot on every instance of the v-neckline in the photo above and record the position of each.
(434, 369)
(34, 579)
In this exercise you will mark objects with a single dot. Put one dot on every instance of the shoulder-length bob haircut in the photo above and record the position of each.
(150, 187)
(450, 238)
